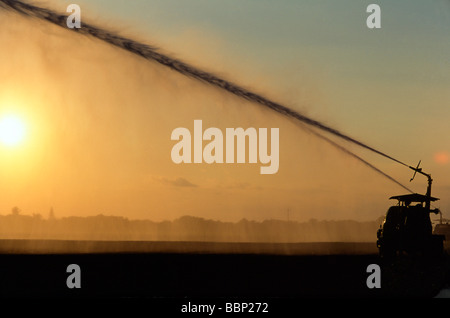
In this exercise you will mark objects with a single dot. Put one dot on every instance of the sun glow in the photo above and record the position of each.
(442, 157)
(12, 130)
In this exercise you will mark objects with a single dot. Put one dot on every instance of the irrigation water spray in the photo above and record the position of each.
(150, 53)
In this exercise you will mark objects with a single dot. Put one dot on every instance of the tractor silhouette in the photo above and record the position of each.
(407, 226)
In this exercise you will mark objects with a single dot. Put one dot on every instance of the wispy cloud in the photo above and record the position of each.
(178, 182)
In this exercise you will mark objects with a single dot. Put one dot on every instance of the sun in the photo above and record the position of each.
(12, 130)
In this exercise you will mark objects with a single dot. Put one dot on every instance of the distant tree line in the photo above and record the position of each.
(186, 228)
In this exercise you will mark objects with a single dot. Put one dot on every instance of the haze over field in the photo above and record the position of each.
(186, 228)
(98, 120)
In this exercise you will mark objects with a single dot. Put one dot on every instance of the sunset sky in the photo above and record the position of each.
(91, 124)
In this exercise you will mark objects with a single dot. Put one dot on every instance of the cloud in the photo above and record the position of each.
(178, 182)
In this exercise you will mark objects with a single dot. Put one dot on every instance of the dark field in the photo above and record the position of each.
(273, 272)
(95, 247)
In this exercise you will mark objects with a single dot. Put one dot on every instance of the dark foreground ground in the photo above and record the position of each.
(199, 271)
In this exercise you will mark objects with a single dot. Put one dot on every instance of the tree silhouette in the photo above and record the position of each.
(15, 211)
(37, 216)
(51, 214)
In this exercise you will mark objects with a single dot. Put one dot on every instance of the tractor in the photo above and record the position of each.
(407, 226)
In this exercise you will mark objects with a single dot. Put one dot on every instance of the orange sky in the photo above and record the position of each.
(99, 123)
